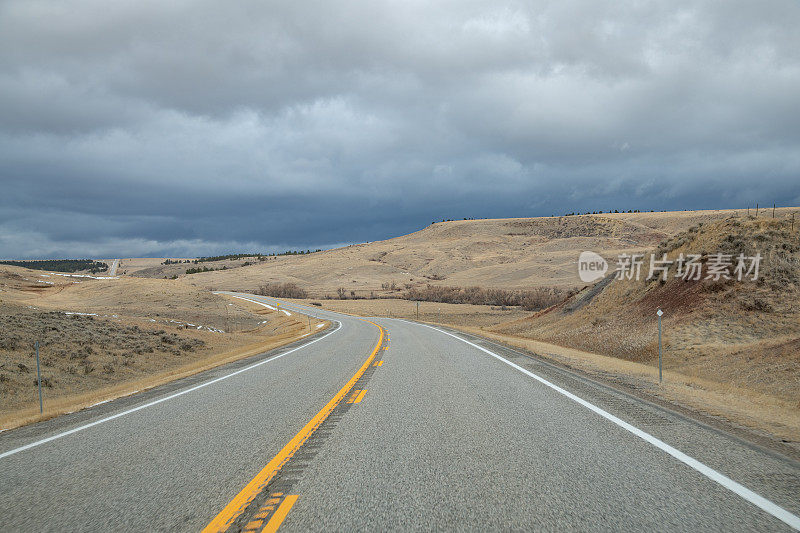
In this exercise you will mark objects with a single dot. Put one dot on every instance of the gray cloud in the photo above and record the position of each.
(152, 128)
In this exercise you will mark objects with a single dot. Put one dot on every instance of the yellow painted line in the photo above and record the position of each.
(360, 396)
(279, 516)
(252, 526)
(238, 504)
(380, 363)
(353, 397)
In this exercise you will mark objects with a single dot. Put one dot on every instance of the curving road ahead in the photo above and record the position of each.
(388, 425)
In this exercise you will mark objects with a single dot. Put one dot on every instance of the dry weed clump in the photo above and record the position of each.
(533, 300)
(282, 290)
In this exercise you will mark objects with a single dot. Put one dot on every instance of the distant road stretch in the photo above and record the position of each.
(384, 424)
(112, 271)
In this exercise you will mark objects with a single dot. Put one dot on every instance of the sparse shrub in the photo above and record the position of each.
(756, 303)
(282, 290)
(45, 382)
(532, 300)
(9, 343)
(88, 368)
(716, 285)
(108, 368)
(23, 368)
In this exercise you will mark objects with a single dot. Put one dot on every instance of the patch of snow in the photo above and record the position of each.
(285, 312)
(84, 276)
(187, 324)
(76, 313)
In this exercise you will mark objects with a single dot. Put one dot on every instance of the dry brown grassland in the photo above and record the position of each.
(101, 339)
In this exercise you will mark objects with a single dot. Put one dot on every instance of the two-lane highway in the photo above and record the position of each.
(388, 425)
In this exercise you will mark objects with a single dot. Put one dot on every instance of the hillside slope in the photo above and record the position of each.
(742, 333)
(500, 253)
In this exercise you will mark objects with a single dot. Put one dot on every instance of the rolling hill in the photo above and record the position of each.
(518, 254)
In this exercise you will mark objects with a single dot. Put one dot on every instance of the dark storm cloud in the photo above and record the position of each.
(170, 128)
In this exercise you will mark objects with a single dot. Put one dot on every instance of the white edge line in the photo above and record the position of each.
(759, 501)
(155, 402)
(249, 300)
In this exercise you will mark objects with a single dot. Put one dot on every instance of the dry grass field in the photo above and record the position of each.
(503, 253)
(105, 338)
(151, 267)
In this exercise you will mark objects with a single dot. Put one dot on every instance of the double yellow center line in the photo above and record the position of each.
(240, 502)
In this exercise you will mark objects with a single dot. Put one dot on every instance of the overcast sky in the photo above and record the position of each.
(196, 128)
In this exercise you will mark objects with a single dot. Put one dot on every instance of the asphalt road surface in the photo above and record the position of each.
(112, 270)
(388, 425)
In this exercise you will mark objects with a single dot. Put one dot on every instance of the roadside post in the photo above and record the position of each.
(39, 379)
(417, 309)
(659, 313)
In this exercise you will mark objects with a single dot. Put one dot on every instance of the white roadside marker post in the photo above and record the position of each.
(659, 313)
